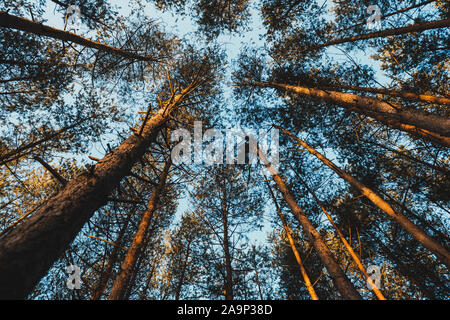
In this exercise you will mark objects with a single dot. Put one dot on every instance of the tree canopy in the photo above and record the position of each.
(128, 149)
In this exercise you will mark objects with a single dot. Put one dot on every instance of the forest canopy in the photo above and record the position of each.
(224, 150)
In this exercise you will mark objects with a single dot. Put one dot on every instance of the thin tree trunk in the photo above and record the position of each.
(52, 171)
(123, 277)
(5, 158)
(396, 93)
(143, 293)
(340, 280)
(36, 77)
(405, 271)
(347, 245)
(134, 273)
(401, 219)
(17, 23)
(101, 286)
(305, 276)
(404, 155)
(29, 250)
(64, 5)
(226, 248)
(183, 272)
(417, 123)
(22, 63)
(418, 27)
(389, 14)
(258, 284)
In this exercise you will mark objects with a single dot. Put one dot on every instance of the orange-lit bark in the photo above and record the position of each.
(123, 277)
(305, 276)
(347, 245)
(417, 123)
(183, 270)
(340, 280)
(401, 219)
(395, 93)
(406, 271)
(64, 5)
(31, 248)
(17, 23)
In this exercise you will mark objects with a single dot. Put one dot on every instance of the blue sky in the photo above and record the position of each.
(183, 27)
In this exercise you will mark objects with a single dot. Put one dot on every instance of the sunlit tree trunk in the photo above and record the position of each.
(347, 245)
(401, 219)
(55, 174)
(305, 276)
(29, 250)
(417, 123)
(123, 277)
(340, 280)
(396, 93)
(17, 23)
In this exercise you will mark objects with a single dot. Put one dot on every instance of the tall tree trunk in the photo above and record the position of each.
(396, 93)
(229, 295)
(401, 219)
(286, 228)
(29, 250)
(99, 289)
(183, 271)
(340, 280)
(17, 23)
(417, 123)
(258, 284)
(122, 279)
(134, 273)
(418, 27)
(364, 19)
(64, 5)
(52, 171)
(347, 245)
